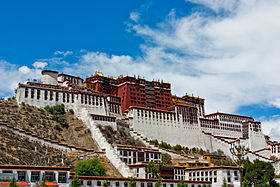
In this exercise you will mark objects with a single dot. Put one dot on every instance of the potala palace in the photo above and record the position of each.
(148, 111)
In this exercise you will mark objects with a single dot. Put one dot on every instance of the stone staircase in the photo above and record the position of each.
(110, 153)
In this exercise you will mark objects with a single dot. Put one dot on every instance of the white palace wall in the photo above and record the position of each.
(173, 131)
(97, 104)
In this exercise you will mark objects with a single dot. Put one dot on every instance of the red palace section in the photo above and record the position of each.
(133, 91)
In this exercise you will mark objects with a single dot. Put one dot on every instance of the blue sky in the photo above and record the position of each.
(223, 51)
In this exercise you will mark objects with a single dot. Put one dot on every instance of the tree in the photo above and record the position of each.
(259, 174)
(177, 148)
(181, 184)
(13, 182)
(76, 182)
(153, 169)
(166, 159)
(44, 181)
(90, 168)
(105, 184)
(131, 183)
(158, 183)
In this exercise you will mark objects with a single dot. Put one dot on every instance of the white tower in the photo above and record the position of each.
(49, 77)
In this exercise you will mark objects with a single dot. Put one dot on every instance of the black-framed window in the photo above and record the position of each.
(49, 176)
(35, 176)
(7, 171)
(98, 183)
(62, 177)
(21, 175)
(117, 183)
(89, 183)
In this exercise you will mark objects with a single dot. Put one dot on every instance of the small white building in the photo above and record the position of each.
(216, 175)
(133, 155)
(33, 175)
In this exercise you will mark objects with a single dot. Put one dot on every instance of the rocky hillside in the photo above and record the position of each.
(67, 129)
(44, 124)
(119, 137)
(18, 150)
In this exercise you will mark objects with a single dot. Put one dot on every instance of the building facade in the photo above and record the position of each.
(33, 175)
(148, 108)
(216, 175)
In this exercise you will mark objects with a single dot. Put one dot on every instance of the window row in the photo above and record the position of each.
(91, 100)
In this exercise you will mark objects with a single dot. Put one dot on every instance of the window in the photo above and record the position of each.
(215, 180)
(150, 184)
(35, 176)
(32, 93)
(38, 94)
(89, 183)
(72, 98)
(26, 93)
(51, 95)
(228, 179)
(49, 176)
(125, 184)
(56, 96)
(98, 183)
(62, 177)
(46, 95)
(7, 171)
(142, 184)
(21, 175)
(117, 183)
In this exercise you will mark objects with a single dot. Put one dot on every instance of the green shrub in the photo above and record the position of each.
(56, 110)
(90, 168)
(166, 159)
(76, 182)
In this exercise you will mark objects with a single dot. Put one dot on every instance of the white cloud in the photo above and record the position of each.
(39, 65)
(271, 127)
(64, 53)
(109, 64)
(24, 69)
(134, 16)
(11, 75)
(218, 5)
